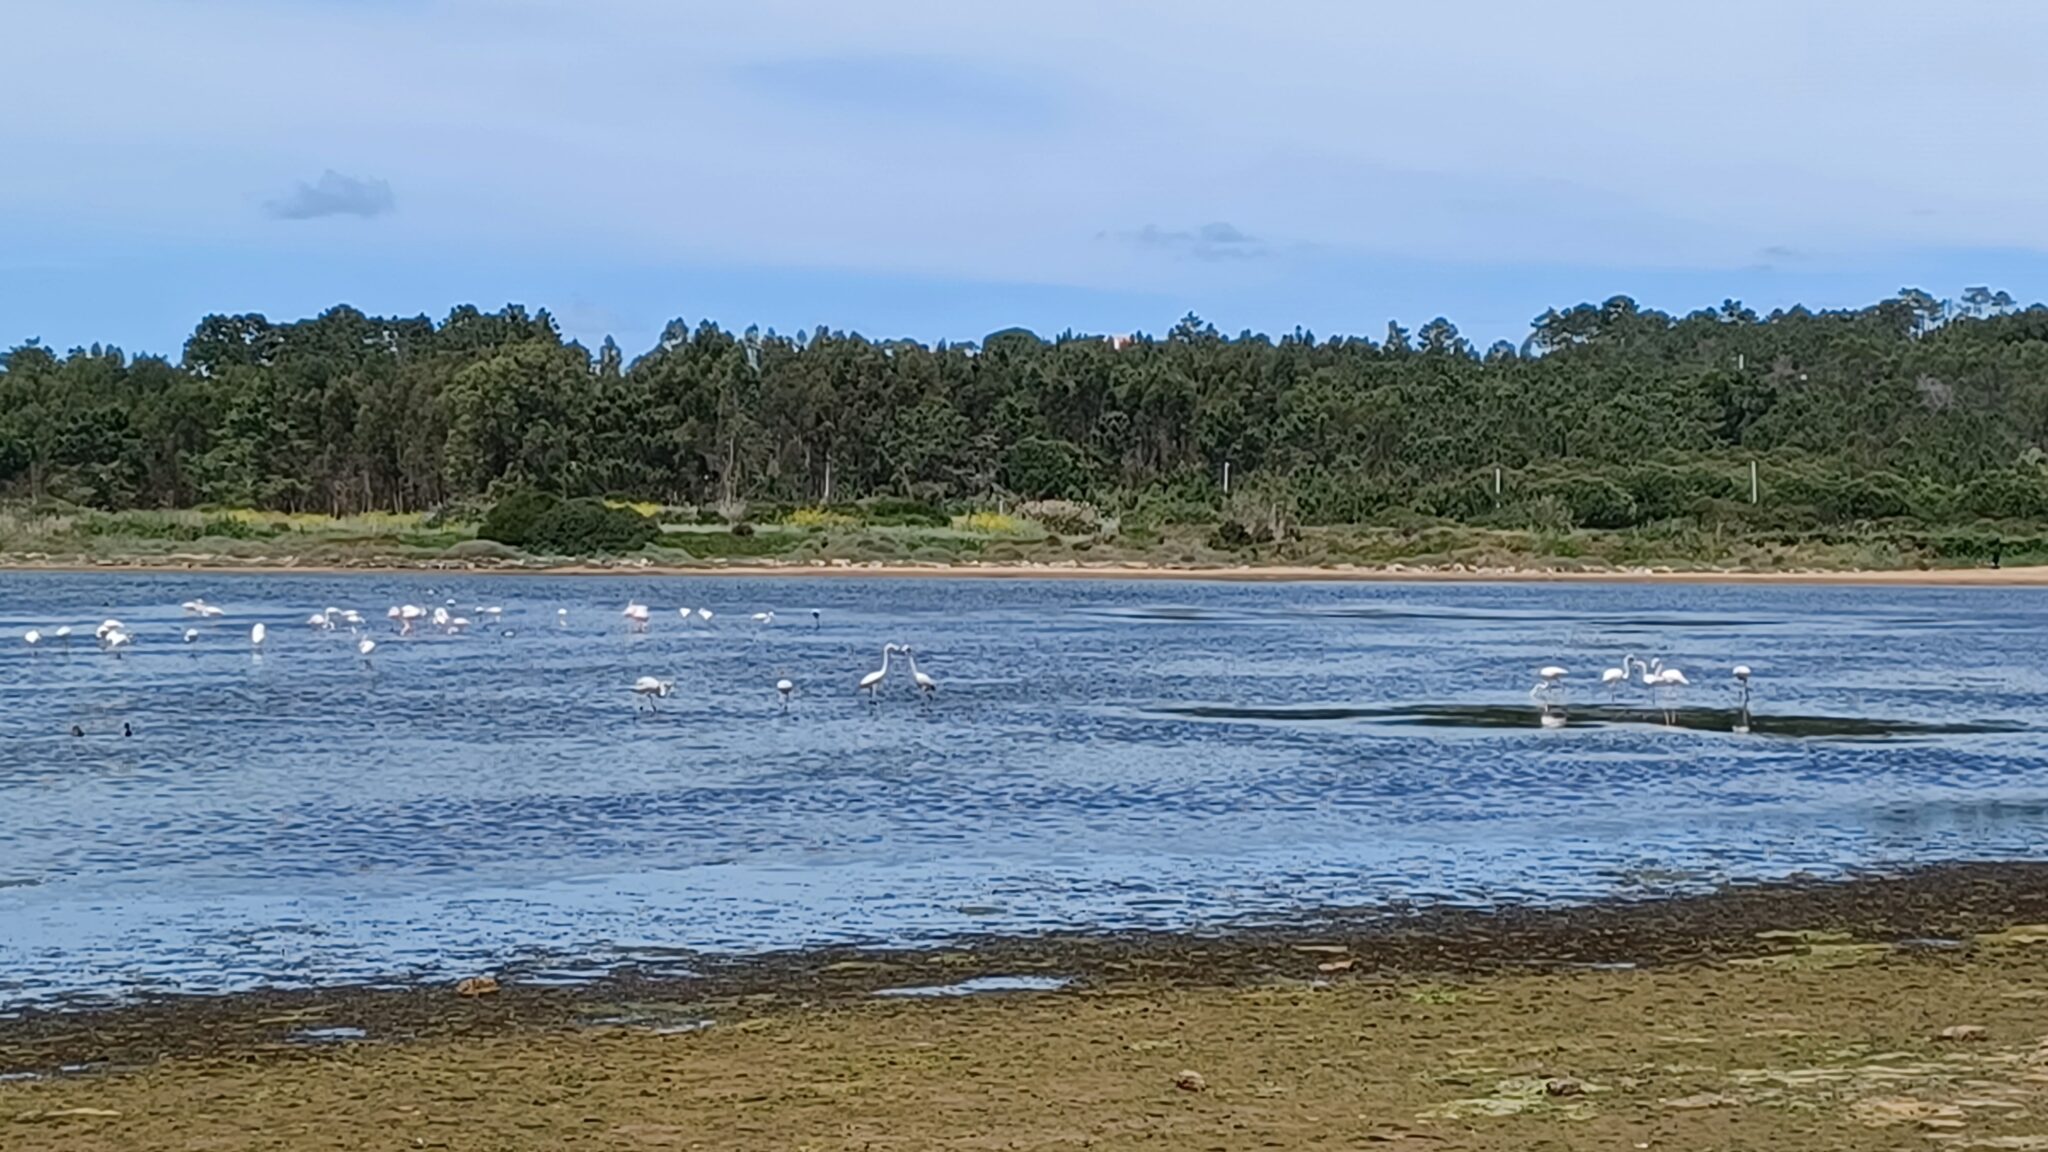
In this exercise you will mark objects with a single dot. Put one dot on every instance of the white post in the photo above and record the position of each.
(1496, 481)
(1752, 481)
(1226, 477)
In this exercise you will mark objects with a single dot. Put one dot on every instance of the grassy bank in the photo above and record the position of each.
(817, 538)
(1817, 1017)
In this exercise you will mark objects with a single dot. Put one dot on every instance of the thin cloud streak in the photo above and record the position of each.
(334, 194)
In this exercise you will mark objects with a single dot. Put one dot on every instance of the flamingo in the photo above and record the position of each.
(925, 684)
(320, 621)
(817, 618)
(441, 618)
(63, 633)
(108, 628)
(650, 689)
(704, 614)
(364, 647)
(764, 618)
(872, 682)
(636, 616)
(1664, 682)
(32, 637)
(784, 687)
(1549, 685)
(191, 635)
(1742, 674)
(257, 635)
(561, 617)
(1613, 678)
(117, 640)
(198, 607)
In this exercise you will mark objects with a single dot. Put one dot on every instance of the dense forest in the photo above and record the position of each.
(1606, 416)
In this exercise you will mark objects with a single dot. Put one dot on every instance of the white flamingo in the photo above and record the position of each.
(63, 634)
(108, 628)
(198, 607)
(925, 684)
(191, 635)
(1664, 684)
(1741, 673)
(784, 688)
(636, 616)
(704, 615)
(764, 618)
(257, 635)
(116, 640)
(1549, 686)
(32, 638)
(364, 647)
(872, 682)
(1613, 678)
(440, 618)
(650, 689)
(561, 617)
(320, 621)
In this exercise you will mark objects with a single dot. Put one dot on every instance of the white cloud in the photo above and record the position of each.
(997, 140)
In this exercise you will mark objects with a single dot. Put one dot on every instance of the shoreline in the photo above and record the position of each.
(2020, 577)
(1932, 906)
(1840, 1016)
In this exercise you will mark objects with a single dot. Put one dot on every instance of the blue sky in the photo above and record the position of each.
(939, 169)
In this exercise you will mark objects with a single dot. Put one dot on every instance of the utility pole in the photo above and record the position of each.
(1752, 482)
(1496, 483)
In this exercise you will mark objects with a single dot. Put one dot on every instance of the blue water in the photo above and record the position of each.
(1099, 754)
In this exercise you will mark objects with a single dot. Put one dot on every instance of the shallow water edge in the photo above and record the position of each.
(1940, 909)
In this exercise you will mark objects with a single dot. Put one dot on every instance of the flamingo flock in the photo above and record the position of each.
(411, 620)
(1660, 681)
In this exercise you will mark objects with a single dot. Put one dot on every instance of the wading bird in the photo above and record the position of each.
(872, 682)
(257, 635)
(191, 635)
(636, 616)
(1613, 678)
(364, 647)
(650, 689)
(1742, 674)
(1663, 684)
(32, 637)
(1549, 687)
(925, 684)
(784, 688)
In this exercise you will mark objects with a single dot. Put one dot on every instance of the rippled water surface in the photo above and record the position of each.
(1099, 754)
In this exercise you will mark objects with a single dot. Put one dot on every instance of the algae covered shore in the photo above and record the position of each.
(1870, 1013)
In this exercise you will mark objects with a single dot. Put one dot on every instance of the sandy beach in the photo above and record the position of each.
(1869, 1014)
(2015, 577)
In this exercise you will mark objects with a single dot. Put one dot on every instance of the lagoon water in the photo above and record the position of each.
(1101, 754)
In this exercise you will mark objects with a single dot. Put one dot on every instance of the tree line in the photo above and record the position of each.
(1606, 415)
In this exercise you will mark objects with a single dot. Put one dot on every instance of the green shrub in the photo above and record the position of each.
(1593, 501)
(511, 520)
(1063, 517)
(895, 513)
(587, 527)
(1231, 536)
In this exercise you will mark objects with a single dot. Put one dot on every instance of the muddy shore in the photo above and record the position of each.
(1870, 1013)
